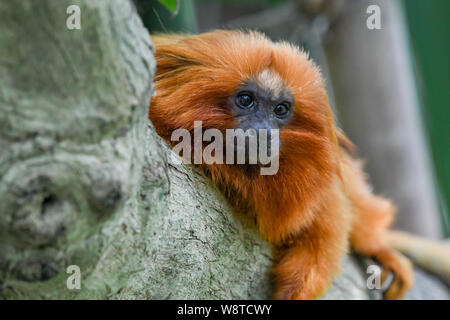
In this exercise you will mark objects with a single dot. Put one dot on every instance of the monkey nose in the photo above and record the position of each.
(264, 135)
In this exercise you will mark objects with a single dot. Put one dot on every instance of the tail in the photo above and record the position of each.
(433, 256)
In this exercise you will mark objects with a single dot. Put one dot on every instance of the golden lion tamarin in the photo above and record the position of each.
(318, 204)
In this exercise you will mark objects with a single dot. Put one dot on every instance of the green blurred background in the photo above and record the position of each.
(429, 29)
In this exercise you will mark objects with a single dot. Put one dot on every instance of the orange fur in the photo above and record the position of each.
(318, 203)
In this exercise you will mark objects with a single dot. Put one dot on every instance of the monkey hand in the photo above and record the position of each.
(301, 285)
(401, 269)
(304, 269)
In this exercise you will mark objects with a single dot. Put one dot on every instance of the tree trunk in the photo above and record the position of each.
(378, 106)
(85, 180)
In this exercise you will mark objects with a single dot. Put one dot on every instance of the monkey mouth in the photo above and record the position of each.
(251, 153)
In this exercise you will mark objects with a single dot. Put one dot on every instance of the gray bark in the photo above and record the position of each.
(85, 180)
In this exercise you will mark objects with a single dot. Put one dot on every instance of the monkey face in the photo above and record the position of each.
(261, 105)
(258, 106)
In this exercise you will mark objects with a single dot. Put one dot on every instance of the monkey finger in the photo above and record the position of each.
(384, 275)
(390, 292)
(395, 290)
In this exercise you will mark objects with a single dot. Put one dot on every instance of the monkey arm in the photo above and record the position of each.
(305, 267)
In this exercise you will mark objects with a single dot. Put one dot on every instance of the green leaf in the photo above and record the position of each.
(172, 5)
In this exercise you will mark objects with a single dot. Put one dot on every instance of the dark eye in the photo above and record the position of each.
(281, 110)
(245, 101)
